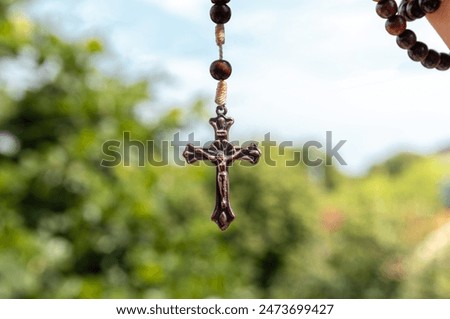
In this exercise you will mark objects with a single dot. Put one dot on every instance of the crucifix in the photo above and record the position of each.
(222, 154)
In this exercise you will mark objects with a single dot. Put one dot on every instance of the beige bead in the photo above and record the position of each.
(221, 93)
(220, 34)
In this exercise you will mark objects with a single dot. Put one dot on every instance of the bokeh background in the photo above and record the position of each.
(75, 74)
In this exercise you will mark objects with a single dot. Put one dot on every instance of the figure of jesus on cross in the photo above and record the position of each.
(222, 154)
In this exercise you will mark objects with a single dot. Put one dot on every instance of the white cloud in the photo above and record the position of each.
(191, 9)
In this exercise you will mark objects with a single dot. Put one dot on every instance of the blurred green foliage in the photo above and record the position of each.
(72, 229)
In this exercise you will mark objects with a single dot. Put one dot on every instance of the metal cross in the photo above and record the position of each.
(222, 154)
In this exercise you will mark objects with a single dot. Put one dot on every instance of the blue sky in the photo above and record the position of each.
(300, 68)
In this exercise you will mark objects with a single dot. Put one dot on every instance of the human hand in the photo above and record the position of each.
(440, 20)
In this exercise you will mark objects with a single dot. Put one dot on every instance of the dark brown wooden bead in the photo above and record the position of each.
(220, 70)
(386, 8)
(220, 13)
(418, 52)
(402, 10)
(429, 6)
(444, 63)
(432, 60)
(407, 39)
(396, 25)
(414, 11)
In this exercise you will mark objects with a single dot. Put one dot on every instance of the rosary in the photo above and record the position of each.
(221, 153)
(397, 17)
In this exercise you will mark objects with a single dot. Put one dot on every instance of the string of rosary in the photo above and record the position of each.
(221, 69)
(221, 153)
(397, 17)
